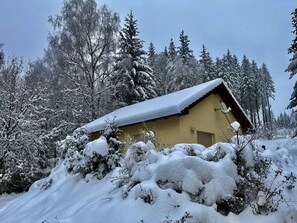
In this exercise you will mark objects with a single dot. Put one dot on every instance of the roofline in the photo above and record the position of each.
(237, 111)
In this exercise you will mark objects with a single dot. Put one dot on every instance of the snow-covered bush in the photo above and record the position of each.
(98, 157)
(20, 175)
(134, 166)
(258, 184)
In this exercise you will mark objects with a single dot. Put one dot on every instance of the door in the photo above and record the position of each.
(205, 138)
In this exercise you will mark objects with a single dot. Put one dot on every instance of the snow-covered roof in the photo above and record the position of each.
(163, 106)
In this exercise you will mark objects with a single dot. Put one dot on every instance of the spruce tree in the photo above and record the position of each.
(229, 70)
(151, 53)
(292, 67)
(183, 68)
(184, 50)
(133, 78)
(206, 65)
(247, 87)
(268, 90)
(172, 50)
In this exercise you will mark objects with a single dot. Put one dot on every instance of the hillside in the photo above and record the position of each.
(182, 184)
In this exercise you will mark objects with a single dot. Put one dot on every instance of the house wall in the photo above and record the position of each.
(165, 130)
(203, 117)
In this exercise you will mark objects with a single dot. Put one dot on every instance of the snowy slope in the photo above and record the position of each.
(71, 199)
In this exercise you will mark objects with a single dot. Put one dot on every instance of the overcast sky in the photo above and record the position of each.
(260, 29)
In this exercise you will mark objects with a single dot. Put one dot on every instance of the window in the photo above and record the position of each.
(204, 138)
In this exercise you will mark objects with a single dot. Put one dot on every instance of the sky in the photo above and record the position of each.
(261, 30)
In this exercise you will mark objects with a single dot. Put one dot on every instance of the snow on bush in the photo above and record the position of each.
(98, 157)
(204, 182)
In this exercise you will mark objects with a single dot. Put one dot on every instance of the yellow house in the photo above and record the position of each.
(200, 114)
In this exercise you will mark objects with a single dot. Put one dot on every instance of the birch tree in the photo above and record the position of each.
(85, 35)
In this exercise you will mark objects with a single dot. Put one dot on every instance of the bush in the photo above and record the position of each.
(98, 157)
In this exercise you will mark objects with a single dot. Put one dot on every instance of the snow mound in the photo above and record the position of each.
(98, 146)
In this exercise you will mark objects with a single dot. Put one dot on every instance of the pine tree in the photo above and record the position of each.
(133, 78)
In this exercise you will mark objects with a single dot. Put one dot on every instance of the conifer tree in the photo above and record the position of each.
(247, 84)
(183, 69)
(165, 52)
(268, 90)
(133, 78)
(184, 50)
(292, 67)
(172, 50)
(229, 70)
(206, 65)
(151, 53)
(256, 92)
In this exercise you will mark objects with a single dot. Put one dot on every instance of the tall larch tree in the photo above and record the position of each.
(133, 78)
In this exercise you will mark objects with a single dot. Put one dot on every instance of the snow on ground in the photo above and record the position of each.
(150, 187)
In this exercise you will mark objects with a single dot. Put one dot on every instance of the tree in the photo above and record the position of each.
(256, 92)
(151, 52)
(182, 66)
(1, 55)
(206, 65)
(86, 38)
(267, 92)
(229, 69)
(247, 84)
(172, 50)
(184, 50)
(133, 78)
(23, 155)
(292, 67)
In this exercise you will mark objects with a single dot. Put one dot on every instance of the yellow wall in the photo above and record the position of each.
(183, 129)
(166, 131)
(203, 117)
